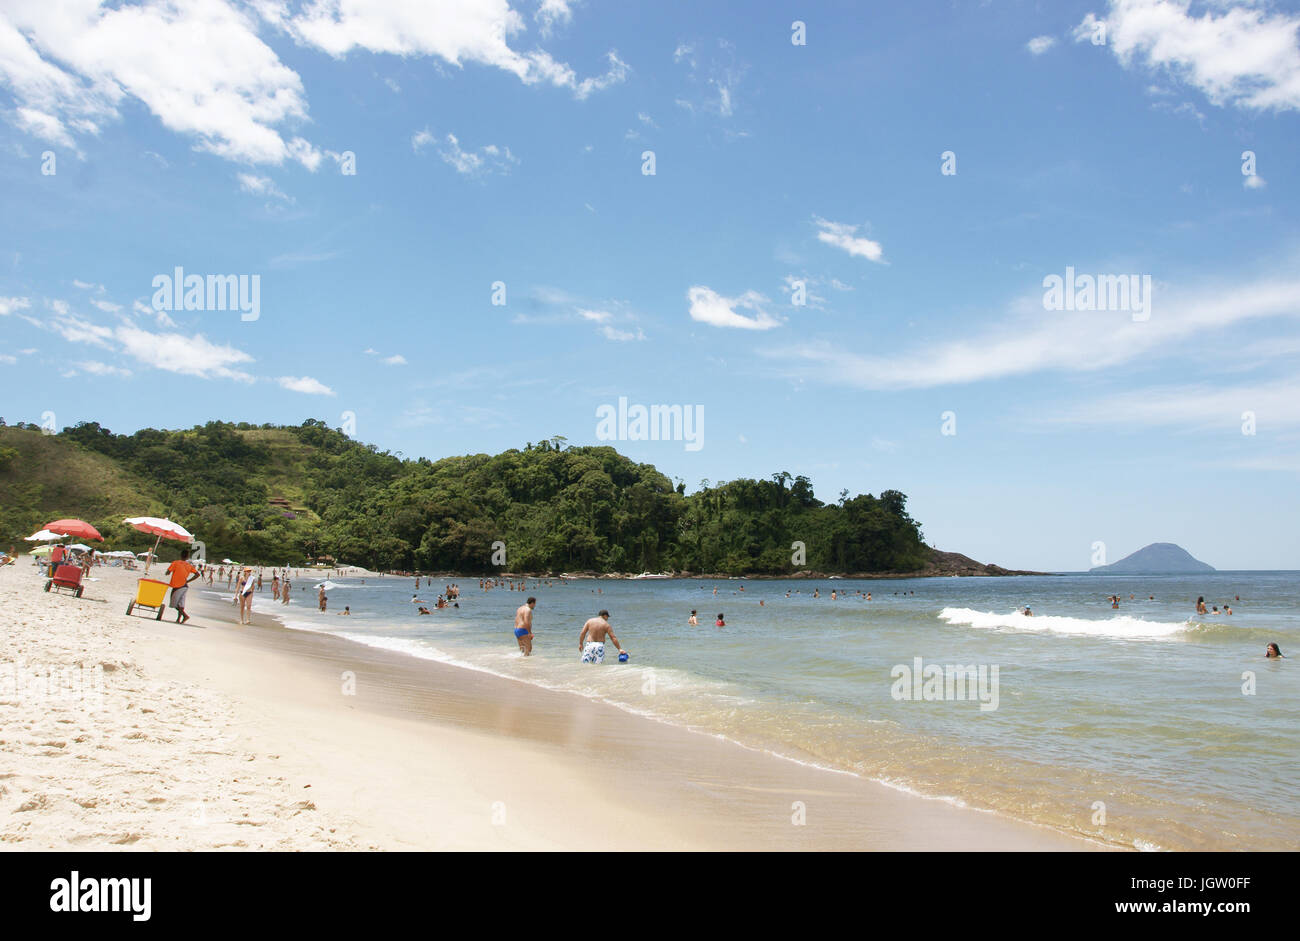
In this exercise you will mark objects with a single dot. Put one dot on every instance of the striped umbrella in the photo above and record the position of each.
(162, 528)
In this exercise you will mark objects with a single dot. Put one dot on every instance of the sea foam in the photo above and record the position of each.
(1122, 626)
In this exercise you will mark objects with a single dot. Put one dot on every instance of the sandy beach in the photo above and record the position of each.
(148, 735)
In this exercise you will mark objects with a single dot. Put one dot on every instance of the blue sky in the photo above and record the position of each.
(504, 143)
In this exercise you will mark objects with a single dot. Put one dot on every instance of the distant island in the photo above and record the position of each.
(1159, 558)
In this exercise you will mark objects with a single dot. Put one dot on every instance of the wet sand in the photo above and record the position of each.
(333, 744)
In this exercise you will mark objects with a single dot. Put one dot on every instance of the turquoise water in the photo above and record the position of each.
(1141, 710)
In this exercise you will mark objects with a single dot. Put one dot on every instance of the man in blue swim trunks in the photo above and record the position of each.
(524, 626)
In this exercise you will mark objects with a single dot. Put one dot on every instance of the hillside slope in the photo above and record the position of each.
(275, 494)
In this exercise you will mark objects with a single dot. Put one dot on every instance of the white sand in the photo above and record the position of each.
(212, 736)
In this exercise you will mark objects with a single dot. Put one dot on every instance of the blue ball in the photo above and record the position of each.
(622, 658)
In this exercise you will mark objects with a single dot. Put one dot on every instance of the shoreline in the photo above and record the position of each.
(400, 752)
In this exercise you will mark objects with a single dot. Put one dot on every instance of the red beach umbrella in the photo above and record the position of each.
(78, 529)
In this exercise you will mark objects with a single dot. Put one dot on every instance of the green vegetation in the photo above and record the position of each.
(274, 494)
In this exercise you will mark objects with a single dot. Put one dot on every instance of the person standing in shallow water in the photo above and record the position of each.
(592, 639)
(524, 626)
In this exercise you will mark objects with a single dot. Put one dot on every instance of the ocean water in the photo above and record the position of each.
(1149, 726)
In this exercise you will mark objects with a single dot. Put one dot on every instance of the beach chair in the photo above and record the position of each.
(152, 594)
(66, 576)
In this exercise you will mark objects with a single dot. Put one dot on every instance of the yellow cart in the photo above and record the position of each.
(150, 593)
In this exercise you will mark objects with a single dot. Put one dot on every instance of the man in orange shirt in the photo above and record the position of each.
(182, 573)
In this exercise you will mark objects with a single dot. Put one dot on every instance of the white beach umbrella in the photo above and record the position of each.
(162, 528)
(78, 547)
(42, 535)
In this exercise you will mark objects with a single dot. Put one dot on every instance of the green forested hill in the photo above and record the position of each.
(274, 494)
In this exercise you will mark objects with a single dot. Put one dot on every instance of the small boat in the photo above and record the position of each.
(649, 575)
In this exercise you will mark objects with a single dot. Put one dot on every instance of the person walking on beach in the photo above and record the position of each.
(524, 626)
(246, 597)
(284, 589)
(592, 639)
(181, 573)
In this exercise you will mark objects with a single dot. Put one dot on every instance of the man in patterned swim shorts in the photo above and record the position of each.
(592, 639)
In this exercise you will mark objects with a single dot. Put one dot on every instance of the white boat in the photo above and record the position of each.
(649, 575)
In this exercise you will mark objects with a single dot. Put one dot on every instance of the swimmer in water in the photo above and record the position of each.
(1028, 613)
(1273, 652)
(1200, 605)
(693, 621)
(721, 622)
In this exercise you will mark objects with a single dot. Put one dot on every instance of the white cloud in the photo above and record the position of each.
(76, 330)
(397, 359)
(1254, 182)
(1245, 57)
(7, 359)
(189, 355)
(1201, 406)
(260, 186)
(599, 316)
(96, 368)
(198, 66)
(722, 73)
(370, 351)
(107, 307)
(301, 149)
(487, 159)
(10, 304)
(164, 320)
(45, 126)
(551, 12)
(707, 306)
(305, 384)
(456, 31)
(621, 336)
(842, 235)
(1038, 339)
(1040, 44)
